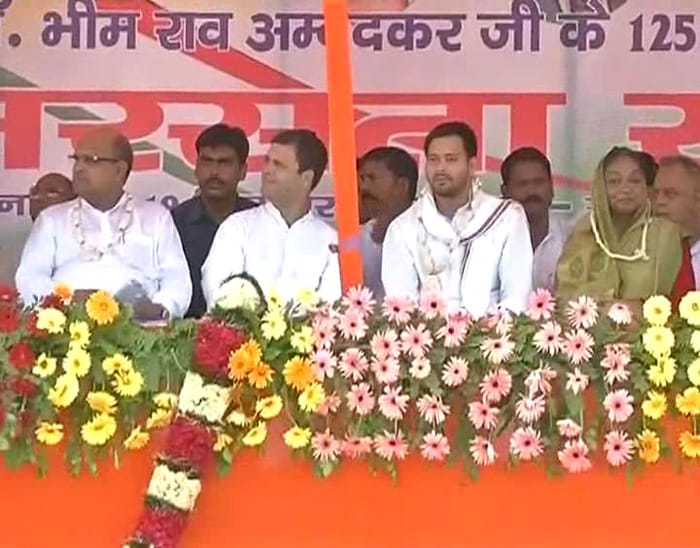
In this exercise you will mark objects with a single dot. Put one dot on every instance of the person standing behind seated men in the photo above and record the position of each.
(388, 178)
(473, 247)
(106, 239)
(527, 179)
(222, 153)
(677, 198)
(284, 244)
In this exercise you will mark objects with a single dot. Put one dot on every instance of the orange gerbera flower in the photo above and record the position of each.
(63, 292)
(102, 308)
(260, 376)
(244, 360)
(298, 373)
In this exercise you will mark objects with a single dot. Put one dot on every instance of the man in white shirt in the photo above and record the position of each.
(107, 239)
(387, 178)
(527, 179)
(473, 247)
(283, 243)
(677, 197)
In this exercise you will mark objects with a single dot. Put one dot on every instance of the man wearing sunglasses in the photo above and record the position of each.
(106, 238)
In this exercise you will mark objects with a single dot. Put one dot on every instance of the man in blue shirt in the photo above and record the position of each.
(222, 153)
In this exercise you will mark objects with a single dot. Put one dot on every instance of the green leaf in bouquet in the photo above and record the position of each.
(17, 454)
(42, 462)
(74, 457)
(90, 459)
(4, 444)
(574, 403)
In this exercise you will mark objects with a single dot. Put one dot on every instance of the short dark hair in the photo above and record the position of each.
(453, 129)
(222, 135)
(398, 161)
(310, 151)
(691, 167)
(123, 151)
(644, 160)
(524, 154)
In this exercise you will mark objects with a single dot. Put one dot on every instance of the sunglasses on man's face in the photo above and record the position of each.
(92, 160)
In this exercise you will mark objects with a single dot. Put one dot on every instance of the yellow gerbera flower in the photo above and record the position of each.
(127, 383)
(243, 360)
(274, 326)
(261, 376)
(63, 292)
(302, 340)
(159, 418)
(255, 435)
(44, 366)
(689, 308)
(307, 299)
(663, 372)
(269, 408)
(658, 341)
(657, 310)
(116, 362)
(64, 391)
(223, 440)
(49, 433)
(274, 300)
(297, 437)
(688, 403)
(165, 400)
(51, 320)
(695, 341)
(311, 397)
(137, 439)
(648, 446)
(102, 402)
(99, 430)
(77, 362)
(298, 373)
(654, 406)
(79, 333)
(694, 372)
(101, 308)
(690, 445)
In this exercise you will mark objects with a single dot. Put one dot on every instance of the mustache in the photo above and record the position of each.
(214, 180)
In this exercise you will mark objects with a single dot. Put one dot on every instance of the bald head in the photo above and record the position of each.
(677, 192)
(103, 160)
(50, 189)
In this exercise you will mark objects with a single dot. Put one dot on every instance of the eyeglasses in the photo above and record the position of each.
(92, 160)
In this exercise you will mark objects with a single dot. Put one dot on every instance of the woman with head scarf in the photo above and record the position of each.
(619, 251)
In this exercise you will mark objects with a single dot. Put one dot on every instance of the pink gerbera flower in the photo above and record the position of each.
(432, 304)
(526, 444)
(548, 339)
(420, 368)
(331, 404)
(453, 332)
(324, 331)
(496, 385)
(360, 399)
(353, 364)
(540, 305)
(397, 309)
(432, 409)
(352, 324)
(390, 446)
(620, 314)
(385, 344)
(582, 313)
(578, 346)
(325, 446)
(530, 410)
(618, 448)
(619, 350)
(540, 380)
(574, 456)
(482, 451)
(416, 340)
(455, 371)
(324, 363)
(392, 403)
(482, 415)
(386, 371)
(360, 299)
(618, 404)
(356, 447)
(568, 428)
(497, 351)
(615, 368)
(577, 381)
(435, 446)
(504, 325)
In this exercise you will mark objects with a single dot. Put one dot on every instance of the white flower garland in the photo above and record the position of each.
(640, 253)
(126, 217)
(175, 488)
(207, 401)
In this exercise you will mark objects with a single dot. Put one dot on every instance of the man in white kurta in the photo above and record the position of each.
(473, 247)
(284, 244)
(107, 239)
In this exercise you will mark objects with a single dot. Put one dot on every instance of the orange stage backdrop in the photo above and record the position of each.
(272, 502)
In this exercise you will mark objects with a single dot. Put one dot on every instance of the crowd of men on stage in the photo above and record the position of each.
(482, 252)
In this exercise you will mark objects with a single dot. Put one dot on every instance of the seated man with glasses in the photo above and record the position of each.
(107, 239)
